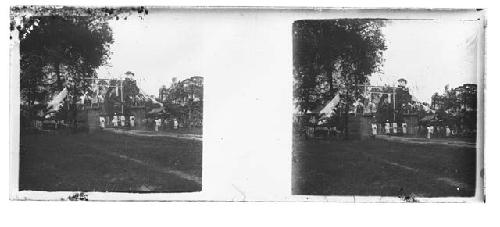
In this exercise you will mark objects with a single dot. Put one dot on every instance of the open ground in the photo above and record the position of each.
(105, 161)
(382, 168)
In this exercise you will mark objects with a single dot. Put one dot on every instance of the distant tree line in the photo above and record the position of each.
(457, 107)
(184, 100)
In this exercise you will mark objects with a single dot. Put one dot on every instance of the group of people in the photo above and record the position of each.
(162, 124)
(436, 131)
(122, 121)
(389, 128)
(428, 131)
(117, 121)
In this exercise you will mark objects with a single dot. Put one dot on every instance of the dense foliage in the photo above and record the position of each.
(334, 56)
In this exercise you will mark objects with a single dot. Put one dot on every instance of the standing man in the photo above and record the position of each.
(122, 121)
(176, 124)
(157, 124)
(395, 128)
(132, 121)
(431, 131)
(403, 126)
(115, 121)
(374, 129)
(387, 128)
(102, 122)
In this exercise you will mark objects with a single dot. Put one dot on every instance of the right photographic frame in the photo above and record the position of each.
(388, 108)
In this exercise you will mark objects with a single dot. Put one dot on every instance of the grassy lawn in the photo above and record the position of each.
(103, 161)
(382, 168)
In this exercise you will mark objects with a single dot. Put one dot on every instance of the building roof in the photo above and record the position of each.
(157, 110)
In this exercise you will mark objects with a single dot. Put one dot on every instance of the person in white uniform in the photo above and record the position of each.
(374, 129)
(102, 122)
(395, 128)
(132, 121)
(176, 124)
(430, 131)
(122, 121)
(387, 128)
(115, 121)
(157, 124)
(404, 126)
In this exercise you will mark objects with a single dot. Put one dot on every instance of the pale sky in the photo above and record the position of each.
(429, 54)
(156, 49)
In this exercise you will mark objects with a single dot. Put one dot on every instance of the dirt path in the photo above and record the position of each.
(445, 142)
(155, 134)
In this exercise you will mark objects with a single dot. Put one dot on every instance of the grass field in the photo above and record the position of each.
(104, 161)
(382, 168)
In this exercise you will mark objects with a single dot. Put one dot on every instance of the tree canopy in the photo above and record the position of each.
(333, 57)
(333, 54)
(60, 47)
(457, 106)
(61, 52)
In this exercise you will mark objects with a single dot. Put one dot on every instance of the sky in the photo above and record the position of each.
(155, 49)
(429, 54)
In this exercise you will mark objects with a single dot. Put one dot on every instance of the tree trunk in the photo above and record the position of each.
(59, 82)
(75, 108)
(347, 103)
(346, 116)
(329, 72)
(59, 86)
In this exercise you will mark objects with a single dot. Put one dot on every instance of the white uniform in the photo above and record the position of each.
(387, 128)
(132, 121)
(115, 121)
(404, 127)
(157, 124)
(176, 124)
(395, 128)
(102, 122)
(374, 129)
(122, 121)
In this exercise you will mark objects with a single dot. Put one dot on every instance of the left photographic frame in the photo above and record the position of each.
(91, 116)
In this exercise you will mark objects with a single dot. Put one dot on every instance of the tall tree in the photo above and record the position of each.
(332, 57)
(70, 49)
(60, 46)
